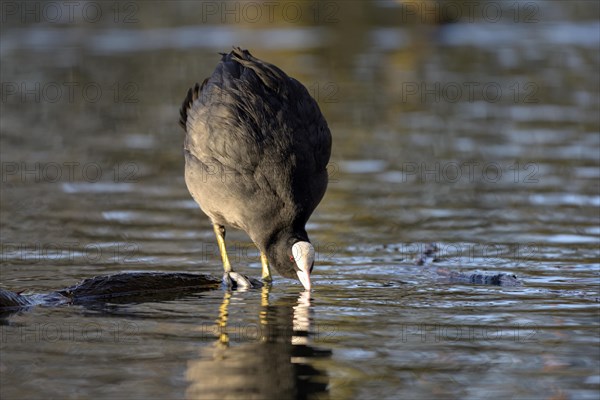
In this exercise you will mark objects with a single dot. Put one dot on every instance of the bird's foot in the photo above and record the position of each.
(234, 280)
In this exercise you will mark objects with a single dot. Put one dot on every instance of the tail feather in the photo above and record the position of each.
(192, 95)
(236, 62)
(270, 75)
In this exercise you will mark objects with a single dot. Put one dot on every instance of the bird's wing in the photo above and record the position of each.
(248, 107)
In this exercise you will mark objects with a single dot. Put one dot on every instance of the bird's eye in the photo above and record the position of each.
(292, 259)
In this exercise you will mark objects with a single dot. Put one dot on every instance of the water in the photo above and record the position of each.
(480, 136)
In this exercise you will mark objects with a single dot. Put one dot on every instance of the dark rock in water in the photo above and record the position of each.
(121, 287)
(10, 299)
(136, 284)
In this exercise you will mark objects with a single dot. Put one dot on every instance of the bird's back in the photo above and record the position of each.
(257, 145)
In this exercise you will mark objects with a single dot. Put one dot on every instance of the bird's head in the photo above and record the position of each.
(293, 259)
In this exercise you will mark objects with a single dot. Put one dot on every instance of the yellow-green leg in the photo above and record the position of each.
(230, 277)
(266, 271)
(220, 233)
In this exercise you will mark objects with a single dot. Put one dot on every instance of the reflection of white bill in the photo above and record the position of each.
(301, 321)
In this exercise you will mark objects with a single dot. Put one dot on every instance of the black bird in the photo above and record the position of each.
(256, 153)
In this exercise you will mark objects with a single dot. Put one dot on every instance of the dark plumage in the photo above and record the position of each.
(256, 151)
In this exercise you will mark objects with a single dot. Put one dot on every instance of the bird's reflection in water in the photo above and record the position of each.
(275, 364)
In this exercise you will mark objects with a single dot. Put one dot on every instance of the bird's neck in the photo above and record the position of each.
(286, 236)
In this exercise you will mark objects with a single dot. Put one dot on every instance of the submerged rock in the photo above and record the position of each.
(479, 278)
(429, 255)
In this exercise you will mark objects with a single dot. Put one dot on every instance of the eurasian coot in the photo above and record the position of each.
(256, 153)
